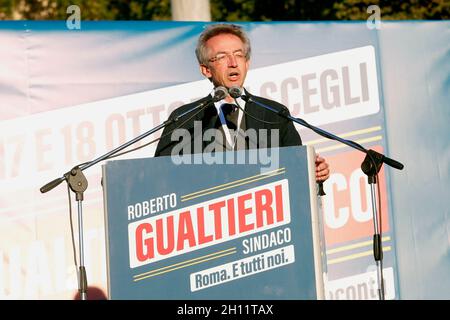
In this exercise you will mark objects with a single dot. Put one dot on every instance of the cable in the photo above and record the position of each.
(113, 156)
(71, 230)
(253, 117)
(379, 204)
(378, 250)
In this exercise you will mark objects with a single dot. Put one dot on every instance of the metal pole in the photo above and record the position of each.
(82, 272)
(377, 242)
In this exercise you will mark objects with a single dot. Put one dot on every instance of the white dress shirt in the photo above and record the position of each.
(230, 139)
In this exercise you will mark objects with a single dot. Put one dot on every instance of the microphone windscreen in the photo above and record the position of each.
(220, 93)
(235, 92)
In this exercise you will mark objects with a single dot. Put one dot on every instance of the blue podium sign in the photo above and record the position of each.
(213, 231)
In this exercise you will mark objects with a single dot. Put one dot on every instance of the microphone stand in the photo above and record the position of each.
(78, 182)
(370, 166)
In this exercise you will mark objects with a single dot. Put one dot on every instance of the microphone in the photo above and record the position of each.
(220, 93)
(235, 92)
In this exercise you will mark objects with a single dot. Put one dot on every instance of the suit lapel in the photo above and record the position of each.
(257, 113)
(251, 123)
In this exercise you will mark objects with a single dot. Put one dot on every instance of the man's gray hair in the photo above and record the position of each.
(215, 29)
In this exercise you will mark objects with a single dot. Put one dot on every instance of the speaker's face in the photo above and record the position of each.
(228, 64)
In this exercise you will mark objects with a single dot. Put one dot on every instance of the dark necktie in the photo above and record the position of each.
(230, 111)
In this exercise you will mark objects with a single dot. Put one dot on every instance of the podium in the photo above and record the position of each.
(233, 226)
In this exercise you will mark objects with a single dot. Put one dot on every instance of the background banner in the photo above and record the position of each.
(69, 96)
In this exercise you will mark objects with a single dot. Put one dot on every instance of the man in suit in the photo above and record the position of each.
(223, 52)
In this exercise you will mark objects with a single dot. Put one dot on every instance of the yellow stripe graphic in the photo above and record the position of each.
(346, 135)
(184, 264)
(355, 245)
(341, 145)
(355, 256)
(232, 184)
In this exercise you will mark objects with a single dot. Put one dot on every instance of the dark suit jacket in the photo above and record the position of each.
(288, 135)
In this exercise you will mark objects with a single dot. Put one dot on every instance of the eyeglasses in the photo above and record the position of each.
(220, 57)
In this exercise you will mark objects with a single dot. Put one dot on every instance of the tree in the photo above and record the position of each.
(90, 10)
(393, 9)
(228, 10)
(297, 10)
